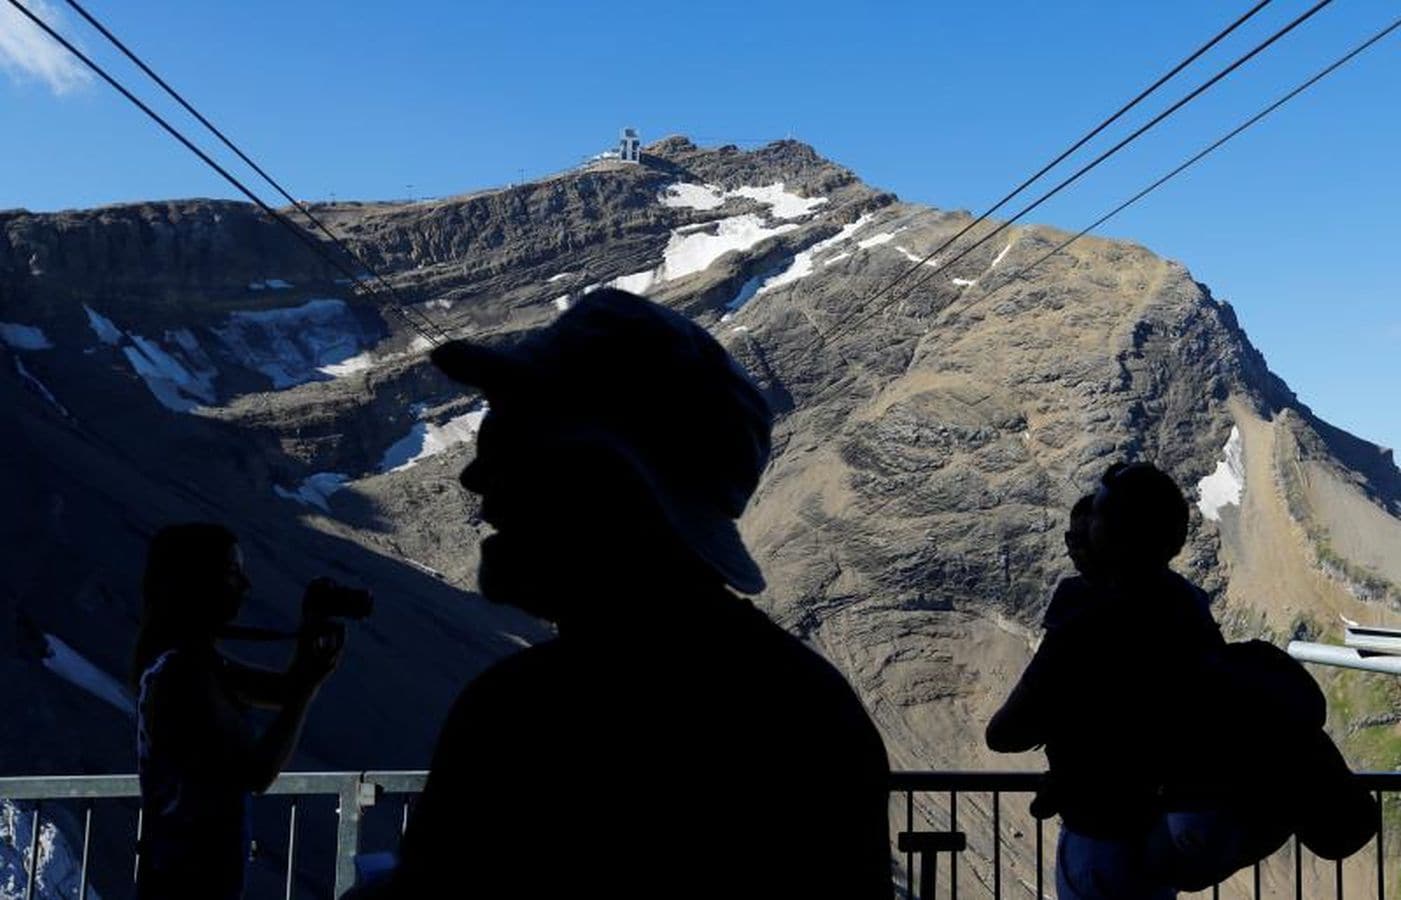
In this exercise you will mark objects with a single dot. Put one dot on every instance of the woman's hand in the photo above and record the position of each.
(319, 648)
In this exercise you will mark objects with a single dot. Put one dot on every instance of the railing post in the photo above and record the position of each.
(1299, 870)
(953, 863)
(140, 826)
(997, 845)
(33, 882)
(354, 796)
(1381, 856)
(291, 849)
(910, 856)
(87, 843)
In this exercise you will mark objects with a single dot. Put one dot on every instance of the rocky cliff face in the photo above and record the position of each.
(190, 360)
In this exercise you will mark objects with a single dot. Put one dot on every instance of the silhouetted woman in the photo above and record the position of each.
(199, 758)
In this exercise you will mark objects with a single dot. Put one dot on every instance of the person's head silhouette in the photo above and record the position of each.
(194, 582)
(1139, 521)
(1077, 536)
(620, 445)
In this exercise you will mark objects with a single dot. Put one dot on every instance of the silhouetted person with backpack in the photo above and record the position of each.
(1175, 758)
(1105, 689)
(671, 740)
(198, 757)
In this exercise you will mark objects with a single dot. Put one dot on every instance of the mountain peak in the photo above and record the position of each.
(931, 437)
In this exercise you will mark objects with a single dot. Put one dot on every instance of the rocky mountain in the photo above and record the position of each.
(189, 359)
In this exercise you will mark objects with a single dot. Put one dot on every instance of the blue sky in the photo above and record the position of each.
(944, 103)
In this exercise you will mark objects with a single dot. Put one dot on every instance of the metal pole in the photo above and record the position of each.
(87, 842)
(348, 830)
(1381, 857)
(33, 854)
(953, 862)
(1299, 869)
(291, 848)
(140, 821)
(910, 856)
(996, 845)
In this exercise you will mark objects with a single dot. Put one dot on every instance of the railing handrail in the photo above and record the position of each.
(1027, 781)
(358, 790)
(408, 781)
(105, 787)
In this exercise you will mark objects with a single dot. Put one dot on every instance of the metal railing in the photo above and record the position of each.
(357, 791)
(354, 792)
(994, 785)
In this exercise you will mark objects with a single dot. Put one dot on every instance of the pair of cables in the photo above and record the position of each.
(359, 273)
(868, 308)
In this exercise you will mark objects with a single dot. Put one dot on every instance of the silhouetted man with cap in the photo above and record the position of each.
(671, 740)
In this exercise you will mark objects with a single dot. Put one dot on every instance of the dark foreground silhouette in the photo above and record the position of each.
(198, 757)
(671, 740)
(1175, 758)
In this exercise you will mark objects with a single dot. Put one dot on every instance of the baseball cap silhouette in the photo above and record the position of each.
(659, 392)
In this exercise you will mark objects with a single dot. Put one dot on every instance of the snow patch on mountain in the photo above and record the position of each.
(38, 386)
(176, 370)
(427, 439)
(692, 249)
(692, 196)
(180, 378)
(360, 362)
(76, 669)
(636, 283)
(292, 345)
(364, 362)
(876, 240)
(315, 490)
(1224, 486)
(782, 203)
(747, 291)
(688, 252)
(917, 257)
(102, 326)
(272, 284)
(24, 337)
(802, 264)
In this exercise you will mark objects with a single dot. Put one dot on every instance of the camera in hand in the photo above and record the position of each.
(325, 599)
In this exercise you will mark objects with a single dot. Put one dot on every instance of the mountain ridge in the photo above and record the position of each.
(926, 451)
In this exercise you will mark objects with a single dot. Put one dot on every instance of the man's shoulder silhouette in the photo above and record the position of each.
(722, 658)
(727, 711)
